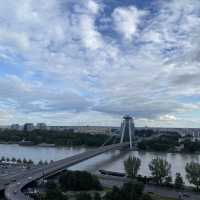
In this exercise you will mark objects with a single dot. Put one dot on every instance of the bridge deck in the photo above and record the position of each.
(14, 190)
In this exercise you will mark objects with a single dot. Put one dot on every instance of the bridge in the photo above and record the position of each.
(14, 190)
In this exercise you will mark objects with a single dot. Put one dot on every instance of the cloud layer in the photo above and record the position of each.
(89, 62)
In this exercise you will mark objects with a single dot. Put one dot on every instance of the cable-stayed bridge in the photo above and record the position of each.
(14, 190)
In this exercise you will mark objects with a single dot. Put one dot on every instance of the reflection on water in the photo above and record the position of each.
(108, 161)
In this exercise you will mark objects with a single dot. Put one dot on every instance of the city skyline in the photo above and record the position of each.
(89, 62)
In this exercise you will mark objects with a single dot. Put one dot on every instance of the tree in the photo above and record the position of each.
(132, 190)
(30, 162)
(147, 197)
(132, 166)
(54, 193)
(40, 162)
(160, 169)
(13, 159)
(83, 196)
(3, 158)
(45, 162)
(193, 173)
(97, 196)
(79, 180)
(168, 181)
(19, 161)
(115, 194)
(24, 161)
(179, 184)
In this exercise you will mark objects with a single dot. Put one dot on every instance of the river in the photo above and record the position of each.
(109, 161)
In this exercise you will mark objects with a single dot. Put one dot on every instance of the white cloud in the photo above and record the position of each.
(66, 66)
(168, 118)
(126, 20)
(90, 36)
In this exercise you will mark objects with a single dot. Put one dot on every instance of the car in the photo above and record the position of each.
(29, 177)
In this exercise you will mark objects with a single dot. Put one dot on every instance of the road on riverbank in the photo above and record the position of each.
(110, 181)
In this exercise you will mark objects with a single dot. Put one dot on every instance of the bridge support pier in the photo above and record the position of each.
(127, 130)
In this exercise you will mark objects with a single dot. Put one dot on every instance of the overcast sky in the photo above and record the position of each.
(79, 62)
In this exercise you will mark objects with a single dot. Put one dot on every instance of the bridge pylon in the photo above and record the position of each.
(127, 130)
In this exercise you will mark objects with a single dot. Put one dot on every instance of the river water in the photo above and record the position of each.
(108, 161)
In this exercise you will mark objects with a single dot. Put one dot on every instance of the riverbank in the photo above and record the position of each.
(112, 161)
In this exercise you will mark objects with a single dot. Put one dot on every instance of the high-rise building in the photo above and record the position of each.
(28, 127)
(127, 130)
(41, 126)
(15, 127)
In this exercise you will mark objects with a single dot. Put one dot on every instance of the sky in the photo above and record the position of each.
(89, 62)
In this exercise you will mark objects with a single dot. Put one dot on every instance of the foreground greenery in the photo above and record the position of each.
(59, 138)
(87, 187)
(79, 181)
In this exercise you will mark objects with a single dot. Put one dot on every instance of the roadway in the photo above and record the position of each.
(14, 190)
(110, 181)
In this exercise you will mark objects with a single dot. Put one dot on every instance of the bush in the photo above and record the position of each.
(83, 196)
(79, 180)
(147, 197)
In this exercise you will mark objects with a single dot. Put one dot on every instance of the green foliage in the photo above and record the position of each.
(147, 197)
(132, 166)
(168, 181)
(54, 193)
(129, 191)
(191, 147)
(3, 158)
(179, 184)
(79, 180)
(59, 138)
(193, 173)
(115, 194)
(162, 143)
(160, 169)
(97, 196)
(83, 196)
(19, 161)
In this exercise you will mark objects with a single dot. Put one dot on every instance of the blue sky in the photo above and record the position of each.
(88, 62)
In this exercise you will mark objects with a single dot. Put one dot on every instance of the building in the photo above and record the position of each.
(196, 136)
(15, 127)
(83, 129)
(28, 127)
(41, 126)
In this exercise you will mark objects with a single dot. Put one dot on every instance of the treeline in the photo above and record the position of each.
(59, 138)
(162, 143)
(191, 147)
(161, 172)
